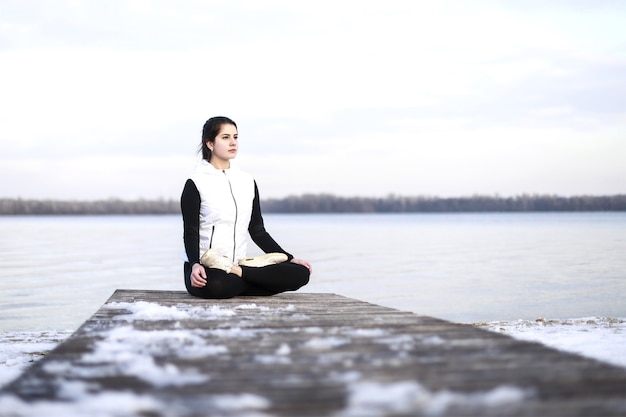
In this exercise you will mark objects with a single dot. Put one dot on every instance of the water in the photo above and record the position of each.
(55, 272)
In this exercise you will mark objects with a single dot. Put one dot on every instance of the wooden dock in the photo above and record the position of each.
(164, 353)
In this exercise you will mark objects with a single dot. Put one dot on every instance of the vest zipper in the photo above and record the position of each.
(236, 214)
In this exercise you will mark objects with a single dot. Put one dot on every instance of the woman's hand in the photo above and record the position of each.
(303, 263)
(198, 276)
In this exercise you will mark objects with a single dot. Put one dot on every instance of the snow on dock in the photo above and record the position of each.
(165, 353)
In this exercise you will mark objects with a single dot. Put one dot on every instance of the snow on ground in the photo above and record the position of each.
(18, 350)
(594, 337)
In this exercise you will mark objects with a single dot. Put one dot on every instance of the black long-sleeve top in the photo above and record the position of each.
(190, 207)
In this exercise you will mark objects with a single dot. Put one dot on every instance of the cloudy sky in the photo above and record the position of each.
(107, 98)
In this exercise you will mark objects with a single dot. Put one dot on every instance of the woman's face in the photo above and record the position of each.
(224, 148)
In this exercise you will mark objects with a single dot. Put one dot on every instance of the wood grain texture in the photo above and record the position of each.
(304, 354)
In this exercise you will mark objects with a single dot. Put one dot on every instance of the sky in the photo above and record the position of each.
(106, 98)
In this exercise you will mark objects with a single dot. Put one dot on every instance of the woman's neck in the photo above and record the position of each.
(219, 163)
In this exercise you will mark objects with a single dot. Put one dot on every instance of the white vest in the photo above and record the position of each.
(226, 198)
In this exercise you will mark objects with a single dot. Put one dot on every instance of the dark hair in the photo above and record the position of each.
(209, 132)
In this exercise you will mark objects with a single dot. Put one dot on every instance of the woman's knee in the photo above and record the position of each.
(227, 287)
(210, 291)
(301, 276)
(218, 285)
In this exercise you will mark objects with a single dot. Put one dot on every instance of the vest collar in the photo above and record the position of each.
(205, 167)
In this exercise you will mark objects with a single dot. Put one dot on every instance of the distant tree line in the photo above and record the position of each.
(110, 206)
(327, 203)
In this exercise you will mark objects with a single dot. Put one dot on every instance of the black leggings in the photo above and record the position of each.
(266, 280)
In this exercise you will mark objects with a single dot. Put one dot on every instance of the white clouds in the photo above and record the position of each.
(451, 162)
(96, 177)
(318, 83)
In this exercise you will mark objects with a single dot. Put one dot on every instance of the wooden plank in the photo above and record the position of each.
(162, 353)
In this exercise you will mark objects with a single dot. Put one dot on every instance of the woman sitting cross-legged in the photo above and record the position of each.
(220, 207)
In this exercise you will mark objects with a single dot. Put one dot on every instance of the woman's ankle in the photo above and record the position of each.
(236, 269)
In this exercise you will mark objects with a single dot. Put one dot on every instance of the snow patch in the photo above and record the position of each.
(402, 342)
(144, 310)
(124, 341)
(284, 349)
(325, 343)
(130, 352)
(233, 332)
(107, 404)
(128, 404)
(313, 330)
(241, 402)
(365, 333)
(433, 340)
(272, 359)
(254, 306)
(375, 399)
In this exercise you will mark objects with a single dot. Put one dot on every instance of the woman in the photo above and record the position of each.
(220, 206)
